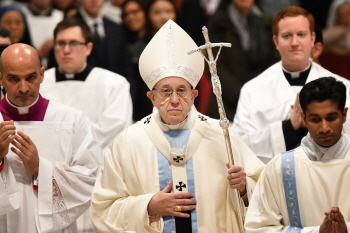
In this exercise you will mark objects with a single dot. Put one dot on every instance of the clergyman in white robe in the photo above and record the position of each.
(131, 175)
(70, 158)
(265, 102)
(321, 176)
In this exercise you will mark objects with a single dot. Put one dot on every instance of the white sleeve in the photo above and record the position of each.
(9, 192)
(65, 187)
(264, 214)
(266, 141)
(116, 115)
(113, 207)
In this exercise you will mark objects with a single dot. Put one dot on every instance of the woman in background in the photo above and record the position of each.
(158, 13)
(13, 19)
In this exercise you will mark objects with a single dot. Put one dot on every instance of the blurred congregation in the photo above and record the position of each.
(122, 28)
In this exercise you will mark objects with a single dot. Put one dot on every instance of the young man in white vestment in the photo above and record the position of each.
(168, 172)
(268, 113)
(306, 189)
(49, 153)
(102, 95)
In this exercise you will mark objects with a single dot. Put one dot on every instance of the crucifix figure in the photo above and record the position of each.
(224, 122)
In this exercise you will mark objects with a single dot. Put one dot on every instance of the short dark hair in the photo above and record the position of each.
(322, 89)
(4, 33)
(73, 22)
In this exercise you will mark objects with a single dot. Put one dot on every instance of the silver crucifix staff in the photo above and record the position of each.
(224, 122)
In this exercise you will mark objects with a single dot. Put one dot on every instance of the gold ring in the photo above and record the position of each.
(178, 208)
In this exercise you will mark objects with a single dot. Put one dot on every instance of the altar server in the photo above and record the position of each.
(306, 189)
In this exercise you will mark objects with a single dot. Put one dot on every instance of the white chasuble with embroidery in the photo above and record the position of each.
(142, 159)
(319, 184)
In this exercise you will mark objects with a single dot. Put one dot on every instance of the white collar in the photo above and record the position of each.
(22, 110)
(185, 124)
(296, 74)
(315, 152)
(71, 75)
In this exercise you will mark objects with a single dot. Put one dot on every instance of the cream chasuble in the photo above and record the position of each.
(130, 176)
(320, 185)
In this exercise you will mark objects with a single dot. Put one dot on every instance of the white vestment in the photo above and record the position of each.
(265, 102)
(319, 184)
(70, 158)
(103, 97)
(130, 177)
(41, 27)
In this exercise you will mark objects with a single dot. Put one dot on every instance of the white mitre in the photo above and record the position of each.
(166, 56)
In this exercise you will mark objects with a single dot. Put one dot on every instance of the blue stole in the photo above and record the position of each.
(178, 138)
(290, 191)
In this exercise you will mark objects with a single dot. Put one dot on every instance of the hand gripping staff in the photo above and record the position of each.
(224, 122)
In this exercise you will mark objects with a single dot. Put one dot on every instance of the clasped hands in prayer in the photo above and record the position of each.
(163, 203)
(23, 146)
(334, 222)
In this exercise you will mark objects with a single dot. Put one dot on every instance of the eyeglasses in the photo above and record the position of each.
(73, 45)
(167, 92)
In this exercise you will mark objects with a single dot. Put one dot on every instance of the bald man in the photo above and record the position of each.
(49, 154)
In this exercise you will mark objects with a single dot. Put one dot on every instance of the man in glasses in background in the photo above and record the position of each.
(102, 95)
(168, 171)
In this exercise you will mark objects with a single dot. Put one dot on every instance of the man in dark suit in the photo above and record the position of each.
(109, 51)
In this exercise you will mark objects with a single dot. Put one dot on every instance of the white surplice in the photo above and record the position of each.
(321, 182)
(41, 27)
(70, 158)
(265, 102)
(104, 97)
(130, 176)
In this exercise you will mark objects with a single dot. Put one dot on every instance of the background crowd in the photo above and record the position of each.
(124, 27)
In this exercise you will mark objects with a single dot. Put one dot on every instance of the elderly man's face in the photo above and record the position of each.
(21, 75)
(71, 59)
(174, 109)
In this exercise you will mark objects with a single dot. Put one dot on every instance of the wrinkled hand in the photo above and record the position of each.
(27, 151)
(163, 203)
(295, 115)
(237, 178)
(45, 49)
(7, 134)
(337, 223)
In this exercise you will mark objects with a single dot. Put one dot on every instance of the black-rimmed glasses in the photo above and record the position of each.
(73, 45)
